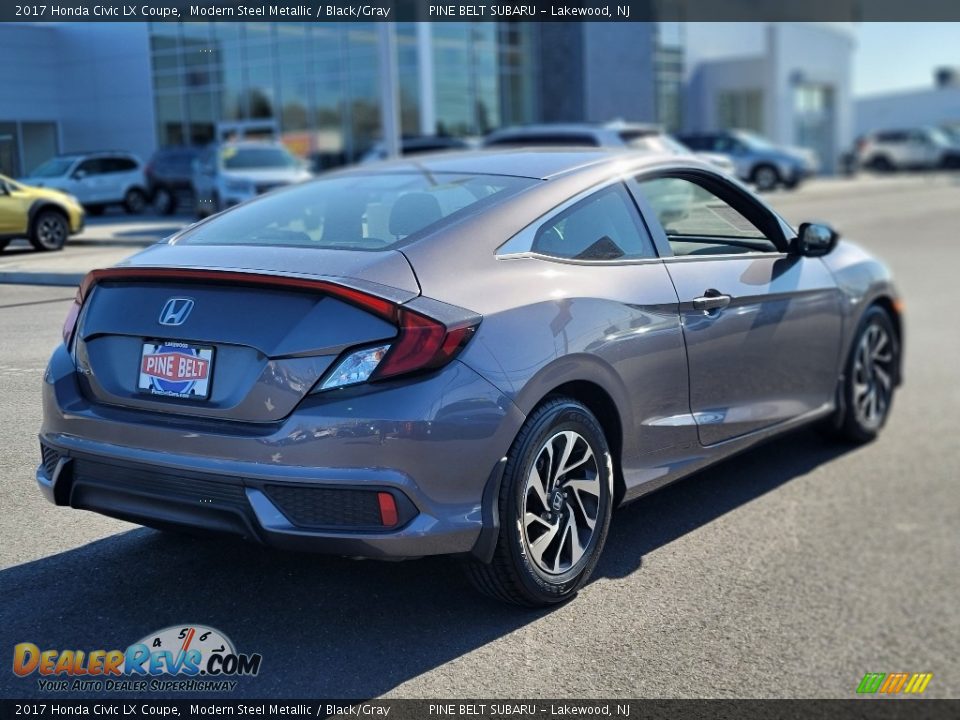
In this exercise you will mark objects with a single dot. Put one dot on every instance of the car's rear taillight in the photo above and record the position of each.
(70, 324)
(423, 343)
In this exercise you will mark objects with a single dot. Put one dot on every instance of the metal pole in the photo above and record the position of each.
(389, 88)
(428, 106)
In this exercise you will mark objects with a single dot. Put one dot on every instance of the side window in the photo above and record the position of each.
(604, 226)
(728, 145)
(121, 164)
(94, 166)
(698, 222)
(894, 137)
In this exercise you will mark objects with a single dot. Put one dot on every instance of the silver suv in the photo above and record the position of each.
(913, 149)
(758, 160)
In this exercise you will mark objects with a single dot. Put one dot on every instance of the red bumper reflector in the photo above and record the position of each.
(388, 509)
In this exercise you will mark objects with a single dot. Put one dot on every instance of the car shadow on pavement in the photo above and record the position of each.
(665, 515)
(331, 627)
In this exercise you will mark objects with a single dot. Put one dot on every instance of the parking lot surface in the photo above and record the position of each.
(791, 570)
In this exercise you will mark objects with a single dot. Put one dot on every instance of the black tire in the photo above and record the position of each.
(851, 422)
(164, 201)
(135, 201)
(882, 163)
(95, 210)
(50, 230)
(766, 177)
(518, 573)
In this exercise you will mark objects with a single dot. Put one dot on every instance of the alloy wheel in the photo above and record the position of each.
(51, 232)
(873, 370)
(135, 202)
(561, 503)
(766, 178)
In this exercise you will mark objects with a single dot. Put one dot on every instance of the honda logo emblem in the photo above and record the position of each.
(176, 310)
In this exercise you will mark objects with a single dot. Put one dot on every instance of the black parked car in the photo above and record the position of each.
(170, 179)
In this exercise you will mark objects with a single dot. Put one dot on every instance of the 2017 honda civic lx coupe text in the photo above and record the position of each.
(479, 354)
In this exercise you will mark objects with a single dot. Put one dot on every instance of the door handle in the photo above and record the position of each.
(711, 300)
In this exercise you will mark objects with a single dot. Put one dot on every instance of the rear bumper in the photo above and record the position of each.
(305, 483)
(167, 497)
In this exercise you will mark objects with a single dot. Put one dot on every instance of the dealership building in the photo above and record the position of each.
(139, 86)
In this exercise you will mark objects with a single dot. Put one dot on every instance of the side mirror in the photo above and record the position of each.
(79, 174)
(3, 189)
(814, 240)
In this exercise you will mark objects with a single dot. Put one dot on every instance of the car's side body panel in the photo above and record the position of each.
(768, 356)
(862, 281)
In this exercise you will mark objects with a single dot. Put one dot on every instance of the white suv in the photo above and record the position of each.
(911, 149)
(637, 136)
(231, 173)
(96, 179)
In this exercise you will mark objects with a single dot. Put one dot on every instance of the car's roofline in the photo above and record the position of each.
(515, 162)
(579, 128)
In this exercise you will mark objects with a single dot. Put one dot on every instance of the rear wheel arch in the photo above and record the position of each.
(38, 207)
(598, 401)
(888, 305)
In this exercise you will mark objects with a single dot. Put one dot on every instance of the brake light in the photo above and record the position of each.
(70, 323)
(423, 343)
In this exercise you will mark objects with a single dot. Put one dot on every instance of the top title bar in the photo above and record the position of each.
(440, 11)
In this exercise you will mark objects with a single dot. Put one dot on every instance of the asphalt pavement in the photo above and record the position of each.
(789, 571)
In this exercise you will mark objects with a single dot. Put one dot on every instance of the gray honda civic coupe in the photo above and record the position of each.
(476, 354)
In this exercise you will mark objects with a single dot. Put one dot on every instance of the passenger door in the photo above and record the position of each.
(87, 181)
(761, 326)
(13, 216)
(120, 173)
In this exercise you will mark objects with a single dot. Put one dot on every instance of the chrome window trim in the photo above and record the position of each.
(726, 256)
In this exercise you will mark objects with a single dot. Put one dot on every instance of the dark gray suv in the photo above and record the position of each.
(479, 354)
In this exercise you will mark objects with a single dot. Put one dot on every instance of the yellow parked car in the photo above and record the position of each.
(44, 216)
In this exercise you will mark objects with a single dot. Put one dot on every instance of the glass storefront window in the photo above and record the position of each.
(320, 82)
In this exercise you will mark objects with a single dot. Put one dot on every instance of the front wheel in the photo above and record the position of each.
(554, 505)
(164, 203)
(50, 230)
(765, 177)
(870, 379)
(135, 201)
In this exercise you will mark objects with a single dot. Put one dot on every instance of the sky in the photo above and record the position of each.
(898, 56)
(886, 57)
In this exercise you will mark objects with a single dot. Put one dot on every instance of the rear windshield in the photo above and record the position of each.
(357, 212)
(249, 158)
(545, 140)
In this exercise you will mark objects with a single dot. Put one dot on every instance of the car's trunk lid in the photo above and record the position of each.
(256, 337)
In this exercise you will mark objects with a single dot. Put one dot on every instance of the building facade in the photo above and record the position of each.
(937, 105)
(794, 87)
(139, 86)
(73, 87)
